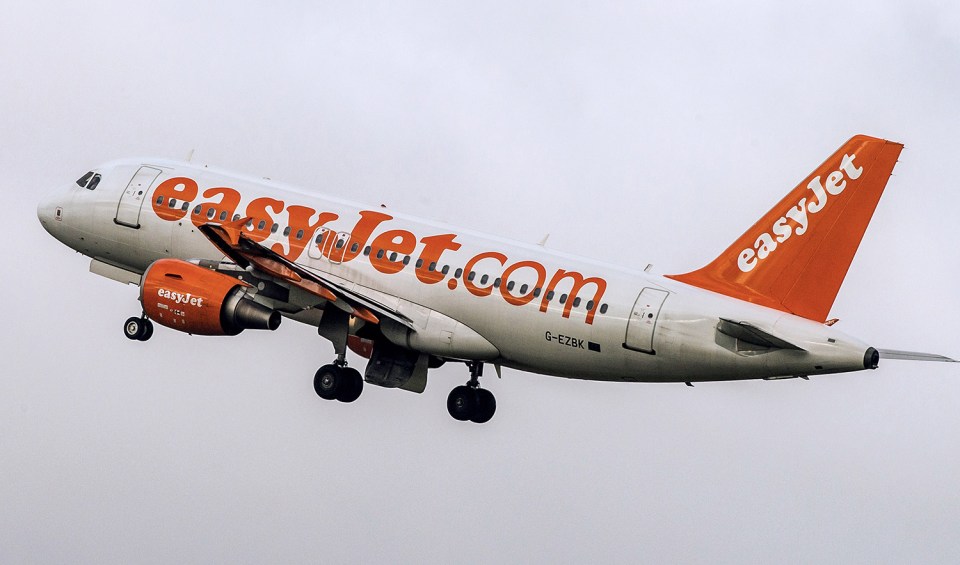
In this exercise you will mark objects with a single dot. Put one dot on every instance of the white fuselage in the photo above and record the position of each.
(599, 322)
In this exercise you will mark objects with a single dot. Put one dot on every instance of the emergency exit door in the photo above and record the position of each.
(643, 320)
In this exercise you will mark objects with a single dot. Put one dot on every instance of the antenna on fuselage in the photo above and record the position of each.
(190, 155)
(543, 242)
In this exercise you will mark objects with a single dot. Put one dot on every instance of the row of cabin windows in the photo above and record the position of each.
(471, 276)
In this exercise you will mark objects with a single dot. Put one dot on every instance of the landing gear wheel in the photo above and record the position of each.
(486, 406)
(328, 381)
(462, 403)
(139, 329)
(351, 385)
(147, 330)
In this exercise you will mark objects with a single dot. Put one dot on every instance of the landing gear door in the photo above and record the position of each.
(131, 201)
(643, 320)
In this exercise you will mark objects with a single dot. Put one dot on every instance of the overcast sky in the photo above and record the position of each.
(631, 132)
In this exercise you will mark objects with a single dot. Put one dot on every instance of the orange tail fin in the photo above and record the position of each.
(795, 258)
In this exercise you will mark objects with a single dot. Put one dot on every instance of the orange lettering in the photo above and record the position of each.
(300, 220)
(229, 201)
(258, 210)
(170, 188)
(576, 287)
(474, 289)
(399, 241)
(359, 235)
(429, 270)
(521, 300)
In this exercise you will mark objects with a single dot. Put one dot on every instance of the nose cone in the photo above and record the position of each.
(48, 212)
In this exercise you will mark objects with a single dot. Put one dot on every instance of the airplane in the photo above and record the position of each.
(215, 253)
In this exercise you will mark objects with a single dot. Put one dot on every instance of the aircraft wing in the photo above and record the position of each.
(248, 254)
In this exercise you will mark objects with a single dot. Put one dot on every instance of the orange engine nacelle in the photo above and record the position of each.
(189, 298)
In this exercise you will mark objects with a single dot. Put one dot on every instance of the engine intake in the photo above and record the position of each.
(195, 300)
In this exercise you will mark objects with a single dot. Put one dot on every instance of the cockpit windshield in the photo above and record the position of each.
(89, 180)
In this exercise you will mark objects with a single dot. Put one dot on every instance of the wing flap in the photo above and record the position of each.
(246, 253)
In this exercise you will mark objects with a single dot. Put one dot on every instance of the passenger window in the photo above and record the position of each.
(523, 289)
(340, 243)
(286, 231)
(299, 234)
(445, 270)
(458, 273)
(354, 247)
(159, 199)
(223, 216)
(563, 299)
(590, 305)
(213, 212)
(496, 283)
(366, 251)
(510, 286)
(380, 254)
(236, 217)
(406, 259)
(274, 227)
(419, 263)
(173, 202)
(196, 211)
(262, 225)
(93, 183)
(536, 292)
(82, 181)
(185, 206)
(484, 279)
(472, 275)
(432, 267)
(318, 239)
(576, 302)
(603, 309)
(549, 295)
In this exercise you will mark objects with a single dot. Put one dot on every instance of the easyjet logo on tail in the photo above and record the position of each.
(797, 219)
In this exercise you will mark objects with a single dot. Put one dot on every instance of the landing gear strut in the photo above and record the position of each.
(469, 401)
(338, 382)
(139, 329)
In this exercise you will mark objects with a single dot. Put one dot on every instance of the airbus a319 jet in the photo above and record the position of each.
(215, 253)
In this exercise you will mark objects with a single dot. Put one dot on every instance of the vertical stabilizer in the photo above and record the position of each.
(795, 257)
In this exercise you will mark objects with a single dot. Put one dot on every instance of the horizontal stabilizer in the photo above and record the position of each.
(913, 356)
(745, 331)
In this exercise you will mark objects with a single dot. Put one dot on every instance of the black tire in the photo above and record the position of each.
(486, 406)
(327, 381)
(351, 385)
(133, 328)
(147, 331)
(462, 403)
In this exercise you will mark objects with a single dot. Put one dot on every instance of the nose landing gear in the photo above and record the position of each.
(469, 401)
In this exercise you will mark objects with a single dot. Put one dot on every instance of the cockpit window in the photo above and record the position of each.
(82, 181)
(94, 182)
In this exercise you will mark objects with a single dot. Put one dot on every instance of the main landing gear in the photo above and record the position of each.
(338, 382)
(469, 401)
(139, 329)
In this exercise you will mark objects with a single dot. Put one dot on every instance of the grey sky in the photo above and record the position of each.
(634, 133)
